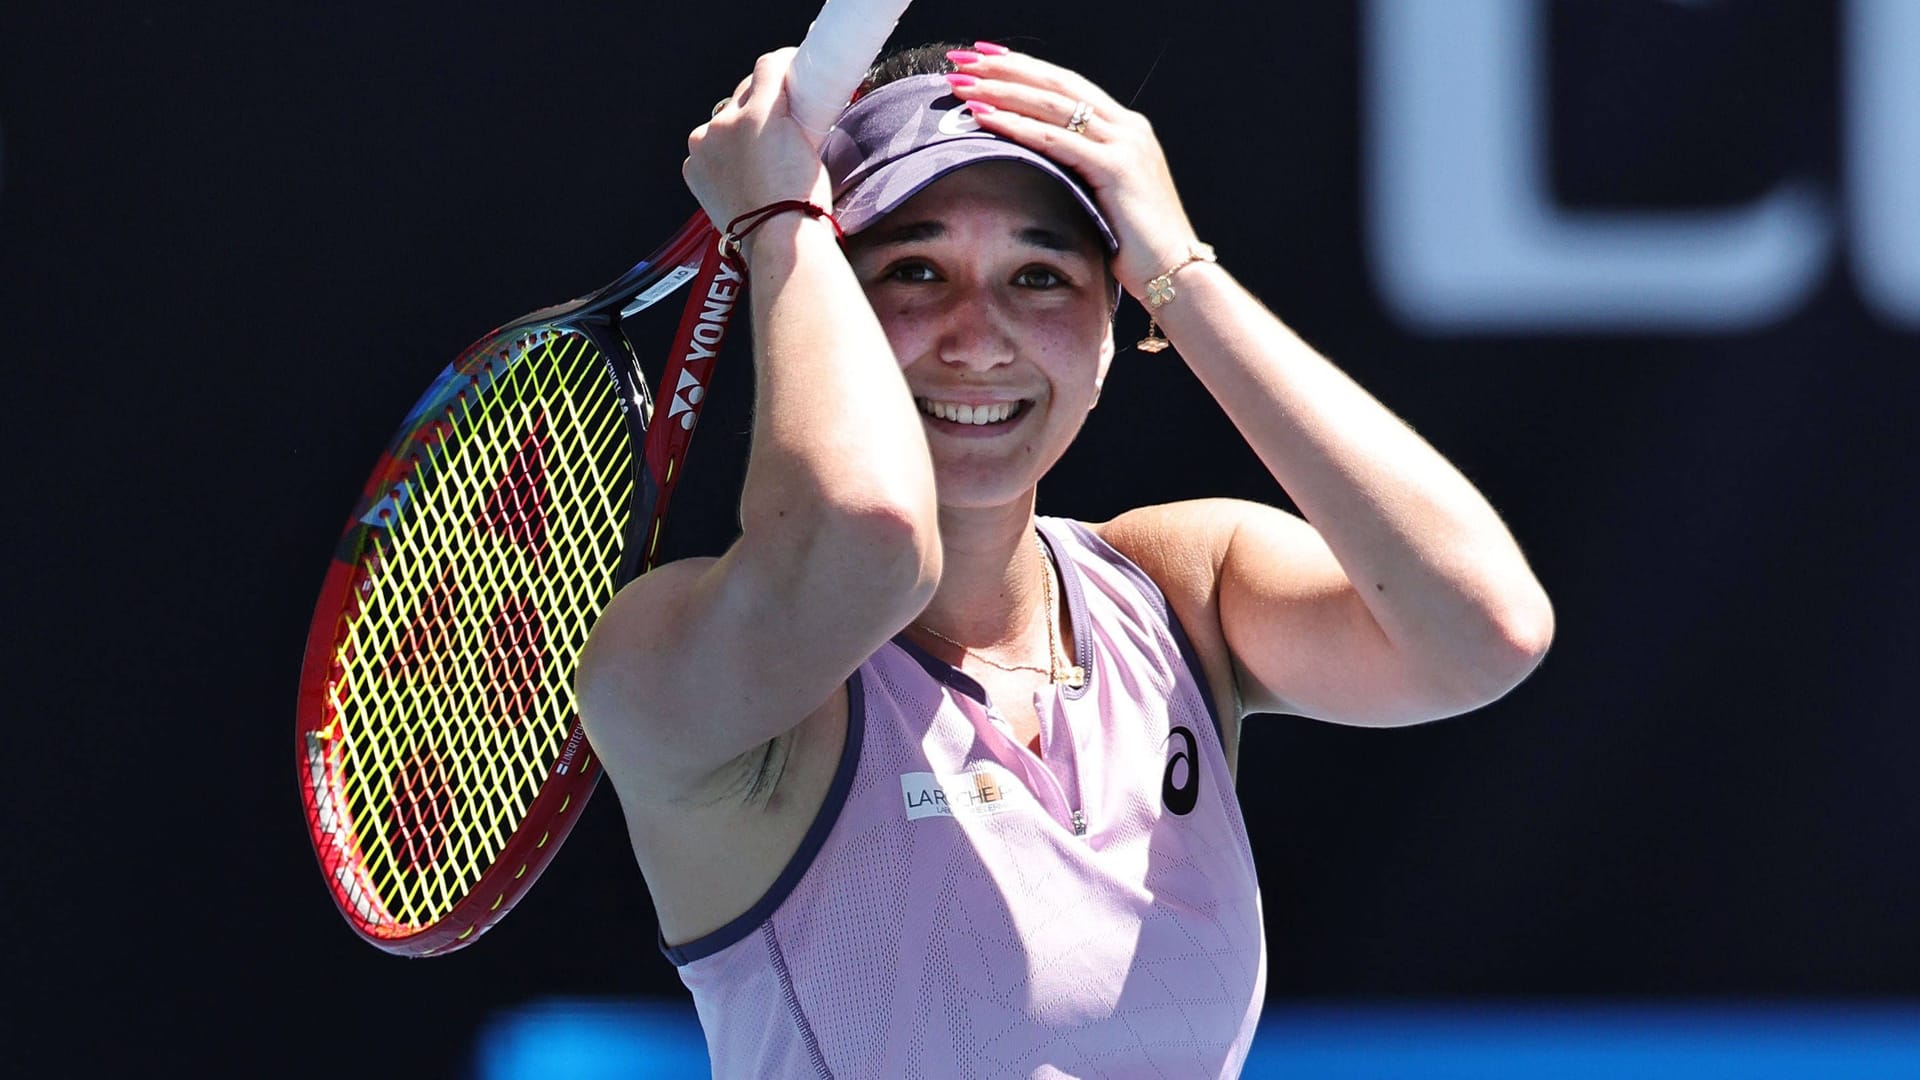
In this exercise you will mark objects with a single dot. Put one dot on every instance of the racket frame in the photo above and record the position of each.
(690, 255)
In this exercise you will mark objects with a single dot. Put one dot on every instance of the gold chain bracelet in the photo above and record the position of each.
(1160, 293)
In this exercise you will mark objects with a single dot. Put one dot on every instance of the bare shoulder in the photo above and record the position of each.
(653, 686)
(1217, 560)
(702, 661)
(660, 675)
(1183, 546)
(1187, 547)
(618, 680)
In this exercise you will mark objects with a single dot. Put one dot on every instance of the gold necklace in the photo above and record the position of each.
(1072, 675)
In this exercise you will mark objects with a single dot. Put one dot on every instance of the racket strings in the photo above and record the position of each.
(421, 809)
(516, 509)
(461, 854)
(452, 688)
(516, 661)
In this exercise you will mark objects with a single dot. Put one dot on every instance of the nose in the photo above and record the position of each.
(976, 331)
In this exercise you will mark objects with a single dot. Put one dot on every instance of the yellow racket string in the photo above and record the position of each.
(455, 690)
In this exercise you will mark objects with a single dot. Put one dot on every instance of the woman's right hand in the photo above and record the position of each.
(753, 152)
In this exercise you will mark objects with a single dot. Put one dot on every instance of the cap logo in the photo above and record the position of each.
(958, 121)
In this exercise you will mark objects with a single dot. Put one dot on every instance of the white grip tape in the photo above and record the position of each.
(834, 56)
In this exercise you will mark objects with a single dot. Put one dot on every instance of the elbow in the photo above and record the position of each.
(898, 549)
(884, 551)
(1529, 630)
(1474, 659)
(882, 525)
(1514, 640)
(895, 522)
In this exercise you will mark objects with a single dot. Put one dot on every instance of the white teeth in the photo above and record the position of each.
(975, 415)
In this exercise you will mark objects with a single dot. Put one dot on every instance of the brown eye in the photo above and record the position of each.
(1039, 277)
(912, 272)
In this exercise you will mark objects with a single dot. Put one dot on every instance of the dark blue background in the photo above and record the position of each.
(236, 241)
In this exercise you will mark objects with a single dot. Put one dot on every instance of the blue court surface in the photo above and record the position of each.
(590, 1040)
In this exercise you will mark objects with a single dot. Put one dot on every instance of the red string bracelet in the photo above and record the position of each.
(739, 227)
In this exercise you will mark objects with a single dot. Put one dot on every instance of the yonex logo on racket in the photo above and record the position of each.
(705, 343)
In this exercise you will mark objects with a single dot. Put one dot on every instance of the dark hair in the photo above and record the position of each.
(928, 59)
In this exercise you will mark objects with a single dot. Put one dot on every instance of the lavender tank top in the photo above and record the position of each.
(963, 907)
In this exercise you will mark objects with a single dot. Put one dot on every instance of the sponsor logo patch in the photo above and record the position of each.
(977, 794)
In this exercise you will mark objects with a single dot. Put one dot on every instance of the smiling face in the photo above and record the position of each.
(992, 286)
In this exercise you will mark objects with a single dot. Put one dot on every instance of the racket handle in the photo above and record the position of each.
(834, 56)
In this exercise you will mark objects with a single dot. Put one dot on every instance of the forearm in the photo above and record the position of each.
(1427, 555)
(837, 443)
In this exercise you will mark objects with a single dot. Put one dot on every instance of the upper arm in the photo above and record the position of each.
(1294, 629)
(702, 660)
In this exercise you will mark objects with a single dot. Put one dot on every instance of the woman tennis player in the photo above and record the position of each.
(923, 784)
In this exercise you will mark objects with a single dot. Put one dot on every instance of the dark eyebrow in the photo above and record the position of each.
(1048, 239)
(914, 232)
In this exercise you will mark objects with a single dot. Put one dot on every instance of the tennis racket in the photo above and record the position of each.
(440, 754)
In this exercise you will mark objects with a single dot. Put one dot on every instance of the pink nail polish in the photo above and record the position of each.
(990, 49)
(961, 81)
(963, 56)
(980, 108)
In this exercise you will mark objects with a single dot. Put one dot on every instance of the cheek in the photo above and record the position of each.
(908, 331)
(1069, 345)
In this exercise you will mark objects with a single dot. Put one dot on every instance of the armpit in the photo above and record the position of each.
(751, 778)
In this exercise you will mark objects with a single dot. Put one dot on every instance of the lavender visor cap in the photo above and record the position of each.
(897, 139)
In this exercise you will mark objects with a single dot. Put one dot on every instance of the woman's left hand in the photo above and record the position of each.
(1031, 102)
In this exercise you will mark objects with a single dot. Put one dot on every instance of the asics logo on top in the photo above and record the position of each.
(1180, 787)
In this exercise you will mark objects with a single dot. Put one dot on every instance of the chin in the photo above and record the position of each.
(980, 481)
(992, 481)
(963, 492)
